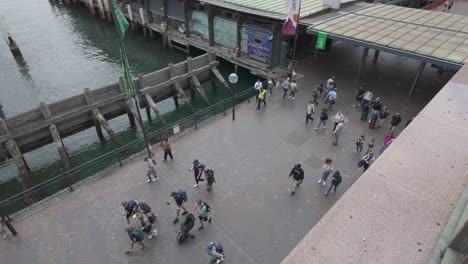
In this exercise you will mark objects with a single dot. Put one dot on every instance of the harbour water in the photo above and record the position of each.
(65, 50)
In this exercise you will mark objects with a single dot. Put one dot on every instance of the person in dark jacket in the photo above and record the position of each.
(336, 180)
(323, 118)
(298, 175)
(396, 120)
(358, 96)
(376, 107)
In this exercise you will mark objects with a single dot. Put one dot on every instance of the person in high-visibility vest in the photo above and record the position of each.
(261, 98)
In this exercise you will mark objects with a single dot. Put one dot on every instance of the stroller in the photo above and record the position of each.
(146, 224)
(183, 232)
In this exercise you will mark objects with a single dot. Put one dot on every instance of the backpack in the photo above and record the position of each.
(201, 166)
(219, 247)
(208, 208)
(145, 207)
(210, 176)
(338, 179)
(131, 205)
(183, 194)
(151, 217)
(314, 93)
(138, 234)
(325, 116)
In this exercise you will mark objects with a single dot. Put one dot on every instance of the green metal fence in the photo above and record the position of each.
(36, 196)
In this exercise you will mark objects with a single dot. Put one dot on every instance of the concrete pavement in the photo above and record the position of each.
(254, 216)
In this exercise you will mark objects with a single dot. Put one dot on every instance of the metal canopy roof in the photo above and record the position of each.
(271, 8)
(430, 36)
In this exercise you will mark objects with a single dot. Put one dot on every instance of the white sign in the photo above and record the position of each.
(176, 128)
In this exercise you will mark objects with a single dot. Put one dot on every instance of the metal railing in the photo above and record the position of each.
(39, 194)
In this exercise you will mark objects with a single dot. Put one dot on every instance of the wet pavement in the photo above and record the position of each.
(254, 216)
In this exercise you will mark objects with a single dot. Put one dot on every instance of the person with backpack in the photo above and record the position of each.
(146, 223)
(202, 212)
(367, 160)
(360, 143)
(198, 169)
(144, 207)
(136, 236)
(150, 170)
(365, 110)
(323, 119)
(317, 92)
(331, 98)
(396, 120)
(131, 207)
(310, 111)
(216, 252)
(367, 97)
(376, 107)
(298, 176)
(180, 197)
(210, 179)
(358, 96)
(383, 116)
(336, 180)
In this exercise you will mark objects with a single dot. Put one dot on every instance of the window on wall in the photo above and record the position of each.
(225, 32)
(199, 24)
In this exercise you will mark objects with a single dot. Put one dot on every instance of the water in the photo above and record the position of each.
(65, 50)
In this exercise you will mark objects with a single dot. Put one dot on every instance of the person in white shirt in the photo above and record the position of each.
(337, 132)
(258, 86)
(331, 98)
(367, 97)
(310, 111)
(150, 170)
(293, 88)
(331, 80)
(339, 117)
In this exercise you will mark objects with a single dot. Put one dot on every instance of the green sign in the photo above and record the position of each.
(321, 41)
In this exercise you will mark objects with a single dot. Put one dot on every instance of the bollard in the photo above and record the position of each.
(9, 226)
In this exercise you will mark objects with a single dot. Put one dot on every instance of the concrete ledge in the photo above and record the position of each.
(397, 210)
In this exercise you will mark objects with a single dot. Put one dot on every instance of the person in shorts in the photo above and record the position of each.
(180, 200)
(202, 212)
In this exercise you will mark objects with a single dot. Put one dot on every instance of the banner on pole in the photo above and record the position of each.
(290, 23)
(321, 41)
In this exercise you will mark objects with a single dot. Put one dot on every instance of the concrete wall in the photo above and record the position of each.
(397, 210)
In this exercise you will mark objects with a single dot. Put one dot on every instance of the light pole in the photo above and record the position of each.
(233, 78)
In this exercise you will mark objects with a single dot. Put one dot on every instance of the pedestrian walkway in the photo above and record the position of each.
(254, 216)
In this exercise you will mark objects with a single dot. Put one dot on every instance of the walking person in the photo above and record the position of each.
(215, 251)
(364, 111)
(286, 84)
(317, 92)
(323, 119)
(370, 145)
(339, 117)
(367, 97)
(310, 111)
(150, 170)
(290, 70)
(293, 90)
(373, 119)
(198, 169)
(331, 98)
(383, 116)
(202, 212)
(271, 85)
(376, 107)
(336, 180)
(298, 176)
(210, 179)
(360, 143)
(358, 95)
(329, 88)
(180, 197)
(131, 208)
(261, 98)
(337, 132)
(367, 160)
(396, 120)
(136, 236)
(326, 170)
(258, 86)
(167, 149)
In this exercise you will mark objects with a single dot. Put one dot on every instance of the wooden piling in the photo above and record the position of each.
(91, 7)
(218, 75)
(106, 126)
(141, 84)
(131, 119)
(190, 69)
(15, 153)
(179, 89)
(134, 110)
(151, 103)
(90, 100)
(23, 168)
(102, 14)
(200, 89)
(56, 136)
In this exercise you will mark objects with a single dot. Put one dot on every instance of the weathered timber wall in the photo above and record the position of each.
(73, 114)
